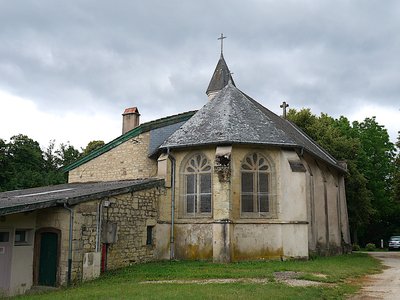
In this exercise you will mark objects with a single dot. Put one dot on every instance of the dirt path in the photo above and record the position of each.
(385, 285)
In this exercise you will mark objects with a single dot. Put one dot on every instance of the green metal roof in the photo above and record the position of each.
(145, 127)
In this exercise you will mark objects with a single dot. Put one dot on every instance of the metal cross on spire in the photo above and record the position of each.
(284, 105)
(222, 37)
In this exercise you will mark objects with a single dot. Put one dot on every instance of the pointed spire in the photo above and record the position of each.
(221, 75)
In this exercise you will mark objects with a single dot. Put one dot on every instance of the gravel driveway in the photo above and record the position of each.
(385, 285)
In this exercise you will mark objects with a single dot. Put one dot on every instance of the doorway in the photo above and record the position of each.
(5, 260)
(47, 249)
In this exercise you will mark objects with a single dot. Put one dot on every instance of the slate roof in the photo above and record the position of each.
(221, 76)
(70, 193)
(158, 139)
(232, 117)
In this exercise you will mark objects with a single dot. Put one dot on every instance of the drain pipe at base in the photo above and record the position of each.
(172, 237)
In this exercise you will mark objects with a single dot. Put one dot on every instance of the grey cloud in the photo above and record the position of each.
(159, 55)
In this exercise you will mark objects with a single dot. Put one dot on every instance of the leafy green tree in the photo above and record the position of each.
(66, 154)
(4, 165)
(338, 137)
(25, 163)
(376, 162)
(396, 177)
(91, 146)
(52, 172)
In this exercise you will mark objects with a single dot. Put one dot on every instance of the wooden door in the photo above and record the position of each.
(48, 259)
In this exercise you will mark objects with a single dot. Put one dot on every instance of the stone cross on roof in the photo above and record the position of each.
(284, 105)
(222, 37)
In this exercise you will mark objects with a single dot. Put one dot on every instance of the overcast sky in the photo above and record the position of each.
(68, 69)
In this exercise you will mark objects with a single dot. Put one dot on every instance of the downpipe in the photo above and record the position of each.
(172, 237)
(71, 222)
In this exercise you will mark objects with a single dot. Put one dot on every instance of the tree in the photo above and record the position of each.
(4, 165)
(396, 176)
(91, 146)
(52, 172)
(67, 154)
(376, 162)
(25, 163)
(338, 137)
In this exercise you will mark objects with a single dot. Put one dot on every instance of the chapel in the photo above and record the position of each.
(231, 181)
(241, 182)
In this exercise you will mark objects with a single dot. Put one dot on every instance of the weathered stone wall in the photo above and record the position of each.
(193, 241)
(257, 241)
(126, 161)
(327, 209)
(131, 212)
(226, 233)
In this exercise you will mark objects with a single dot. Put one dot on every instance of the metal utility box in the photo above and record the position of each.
(109, 233)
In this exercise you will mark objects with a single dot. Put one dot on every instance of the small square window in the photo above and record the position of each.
(22, 237)
(4, 237)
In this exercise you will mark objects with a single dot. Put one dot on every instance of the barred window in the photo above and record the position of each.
(197, 185)
(255, 185)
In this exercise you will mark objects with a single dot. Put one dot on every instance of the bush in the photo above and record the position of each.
(370, 247)
(355, 247)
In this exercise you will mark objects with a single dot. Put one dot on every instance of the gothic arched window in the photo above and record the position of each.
(197, 186)
(255, 185)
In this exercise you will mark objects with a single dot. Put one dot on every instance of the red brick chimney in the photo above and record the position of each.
(130, 119)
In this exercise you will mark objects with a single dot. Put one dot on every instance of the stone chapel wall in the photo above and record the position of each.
(126, 161)
(327, 209)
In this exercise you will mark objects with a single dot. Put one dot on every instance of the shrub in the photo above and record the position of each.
(355, 247)
(370, 247)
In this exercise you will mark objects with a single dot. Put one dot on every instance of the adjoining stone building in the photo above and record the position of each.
(72, 232)
(232, 181)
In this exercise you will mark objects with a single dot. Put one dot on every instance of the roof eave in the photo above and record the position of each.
(20, 208)
(280, 145)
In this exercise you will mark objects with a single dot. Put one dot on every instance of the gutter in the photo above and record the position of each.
(172, 237)
(71, 223)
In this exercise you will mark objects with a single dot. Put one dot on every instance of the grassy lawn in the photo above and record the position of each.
(125, 283)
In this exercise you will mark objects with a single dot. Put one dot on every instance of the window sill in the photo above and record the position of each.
(267, 221)
(197, 220)
(199, 216)
(17, 244)
(258, 215)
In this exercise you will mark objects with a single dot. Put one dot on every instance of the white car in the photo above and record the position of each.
(394, 242)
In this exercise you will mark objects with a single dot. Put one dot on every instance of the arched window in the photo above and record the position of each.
(255, 185)
(197, 186)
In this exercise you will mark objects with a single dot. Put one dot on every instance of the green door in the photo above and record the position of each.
(48, 258)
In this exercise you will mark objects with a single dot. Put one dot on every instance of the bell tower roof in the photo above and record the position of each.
(221, 75)
(220, 78)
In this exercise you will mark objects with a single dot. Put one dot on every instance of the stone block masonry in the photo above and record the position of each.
(126, 161)
(132, 213)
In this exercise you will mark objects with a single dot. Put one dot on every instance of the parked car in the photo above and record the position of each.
(394, 242)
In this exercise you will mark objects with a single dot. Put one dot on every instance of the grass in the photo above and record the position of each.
(340, 272)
